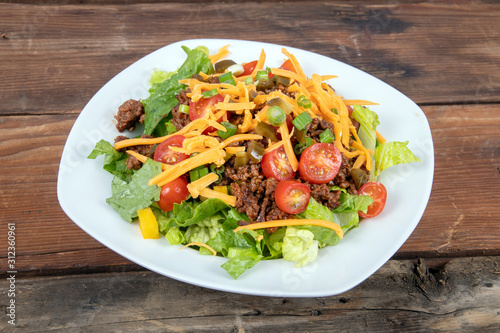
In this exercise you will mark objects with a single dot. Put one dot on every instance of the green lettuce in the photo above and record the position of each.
(315, 210)
(130, 196)
(353, 203)
(162, 96)
(175, 236)
(274, 243)
(191, 212)
(114, 161)
(299, 246)
(392, 153)
(368, 122)
(204, 230)
(159, 76)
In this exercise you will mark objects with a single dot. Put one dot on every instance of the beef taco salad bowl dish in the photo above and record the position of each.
(249, 167)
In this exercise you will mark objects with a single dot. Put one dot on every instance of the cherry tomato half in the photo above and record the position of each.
(200, 108)
(174, 192)
(248, 68)
(378, 193)
(320, 163)
(164, 154)
(275, 164)
(292, 197)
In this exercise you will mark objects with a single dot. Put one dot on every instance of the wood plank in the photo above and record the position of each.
(59, 56)
(464, 296)
(466, 152)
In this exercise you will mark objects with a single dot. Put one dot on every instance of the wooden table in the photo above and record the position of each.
(444, 55)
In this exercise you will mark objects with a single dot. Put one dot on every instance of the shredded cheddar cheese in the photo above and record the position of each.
(292, 222)
(235, 106)
(208, 193)
(223, 51)
(200, 245)
(198, 185)
(290, 154)
(234, 150)
(358, 101)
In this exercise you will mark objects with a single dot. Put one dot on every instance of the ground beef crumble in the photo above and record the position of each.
(146, 150)
(129, 113)
(179, 119)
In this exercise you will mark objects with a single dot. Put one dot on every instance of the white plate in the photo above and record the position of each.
(83, 185)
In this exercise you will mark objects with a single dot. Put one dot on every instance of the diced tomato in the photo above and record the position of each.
(164, 154)
(378, 193)
(292, 197)
(200, 108)
(320, 163)
(286, 65)
(248, 68)
(275, 164)
(174, 192)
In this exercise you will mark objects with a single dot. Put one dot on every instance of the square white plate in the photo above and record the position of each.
(83, 185)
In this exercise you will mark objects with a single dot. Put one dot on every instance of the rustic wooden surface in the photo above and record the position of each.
(443, 55)
(401, 296)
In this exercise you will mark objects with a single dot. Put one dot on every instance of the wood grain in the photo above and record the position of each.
(58, 56)
(467, 157)
(464, 296)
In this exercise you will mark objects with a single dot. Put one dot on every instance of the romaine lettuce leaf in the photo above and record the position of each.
(204, 230)
(159, 76)
(191, 212)
(393, 153)
(128, 197)
(353, 203)
(325, 236)
(368, 122)
(236, 266)
(175, 236)
(274, 243)
(162, 96)
(114, 161)
(299, 246)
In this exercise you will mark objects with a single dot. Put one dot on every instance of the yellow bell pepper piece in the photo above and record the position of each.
(148, 224)
(221, 189)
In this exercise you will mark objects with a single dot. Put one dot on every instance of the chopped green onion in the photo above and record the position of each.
(276, 115)
(302, 121)
(210, 93)
(334, 110)
(184, 108)
(218, 170)
(203, 172)
(262, 75)
(198, 172)
(326, 136)
(194, 175)
(227, 78)
(231, 130)
(248, 81)
(304, 102)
